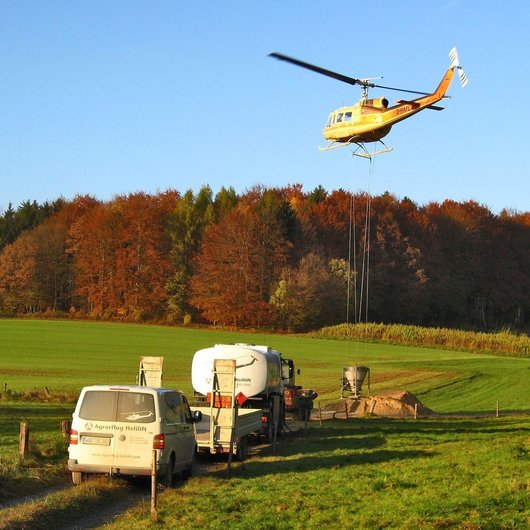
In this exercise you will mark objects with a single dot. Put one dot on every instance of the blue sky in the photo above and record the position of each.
(111, 97)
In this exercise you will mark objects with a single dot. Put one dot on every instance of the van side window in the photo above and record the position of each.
(175, 408)
(187, 410)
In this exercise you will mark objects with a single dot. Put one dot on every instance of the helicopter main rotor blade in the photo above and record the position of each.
(371, 85)
(339, 77)
(318, 70)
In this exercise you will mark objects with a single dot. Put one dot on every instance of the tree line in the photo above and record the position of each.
(267, 258)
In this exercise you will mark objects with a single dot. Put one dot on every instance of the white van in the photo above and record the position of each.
(115, 429)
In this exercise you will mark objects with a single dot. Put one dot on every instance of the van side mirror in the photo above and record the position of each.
(298, 371)
(197, 416)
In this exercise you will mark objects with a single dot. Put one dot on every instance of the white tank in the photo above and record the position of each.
(258, 368)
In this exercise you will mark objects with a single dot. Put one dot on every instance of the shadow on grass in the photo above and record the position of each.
(331, 447)
(24, 485)
(358, 442)
(301, 462)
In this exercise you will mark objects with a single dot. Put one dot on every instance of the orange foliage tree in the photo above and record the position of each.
(19, 288)
(239, 259)
(121, 253)
(35, 271)
(263, 258)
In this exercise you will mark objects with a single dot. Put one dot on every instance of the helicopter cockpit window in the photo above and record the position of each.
(339, 118)
(347, 116)
(329, 123)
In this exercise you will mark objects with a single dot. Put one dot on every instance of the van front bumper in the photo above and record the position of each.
(74, 465)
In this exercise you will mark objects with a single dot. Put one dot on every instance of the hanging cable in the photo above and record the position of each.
(369, 208)
(352, 248)
(361, 302)
(361, 287)
(364, 255)
(355, 275)
(348, 279)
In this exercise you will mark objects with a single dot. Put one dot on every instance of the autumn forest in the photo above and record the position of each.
(269, 258)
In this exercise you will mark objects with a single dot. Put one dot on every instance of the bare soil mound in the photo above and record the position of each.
(390, 403)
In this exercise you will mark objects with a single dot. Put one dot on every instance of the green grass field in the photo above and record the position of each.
(64, 356)
(367, 474)
(46, 463)
(468, 473)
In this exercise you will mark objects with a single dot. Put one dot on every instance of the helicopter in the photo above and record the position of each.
(370, 120)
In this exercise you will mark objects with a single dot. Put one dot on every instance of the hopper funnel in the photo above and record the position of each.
(353, 378)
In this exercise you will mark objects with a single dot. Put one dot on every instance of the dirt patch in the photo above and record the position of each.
(389, 403)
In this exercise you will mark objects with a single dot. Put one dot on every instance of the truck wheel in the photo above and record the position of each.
(242, 449)
(78, 478)
(167, 478)
(190, 471)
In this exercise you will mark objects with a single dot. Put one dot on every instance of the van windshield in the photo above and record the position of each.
(134, 407)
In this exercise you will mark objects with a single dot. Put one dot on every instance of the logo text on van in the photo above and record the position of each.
(89, 426)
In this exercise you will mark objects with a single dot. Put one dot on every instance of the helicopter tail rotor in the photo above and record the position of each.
(453, 55)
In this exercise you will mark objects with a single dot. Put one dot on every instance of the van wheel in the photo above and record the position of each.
(78, 478)
(167, 478)
(190, 470)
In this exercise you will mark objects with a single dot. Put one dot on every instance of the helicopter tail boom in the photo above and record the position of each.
(442, 88)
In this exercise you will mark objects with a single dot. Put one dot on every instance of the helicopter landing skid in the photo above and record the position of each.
(334, 145)
(360, 147)
(364, 152)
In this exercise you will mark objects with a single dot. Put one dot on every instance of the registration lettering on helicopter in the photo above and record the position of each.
(402, 110)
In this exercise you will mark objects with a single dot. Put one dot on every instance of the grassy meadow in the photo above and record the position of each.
(367, 474)
(64, 356)
(45, 465)
(456, 471)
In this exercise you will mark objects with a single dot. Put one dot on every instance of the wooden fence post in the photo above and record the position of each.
(346, 409)
(415, 411)
(65, 428)
(320, 413)
(23, 439)
(497, 409)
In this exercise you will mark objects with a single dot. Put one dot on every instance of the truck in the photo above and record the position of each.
(262, 378)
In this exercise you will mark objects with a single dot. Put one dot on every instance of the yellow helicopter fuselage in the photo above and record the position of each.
(369, 120)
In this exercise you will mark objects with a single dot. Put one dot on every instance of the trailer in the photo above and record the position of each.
(224, 430)
(225, 426)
